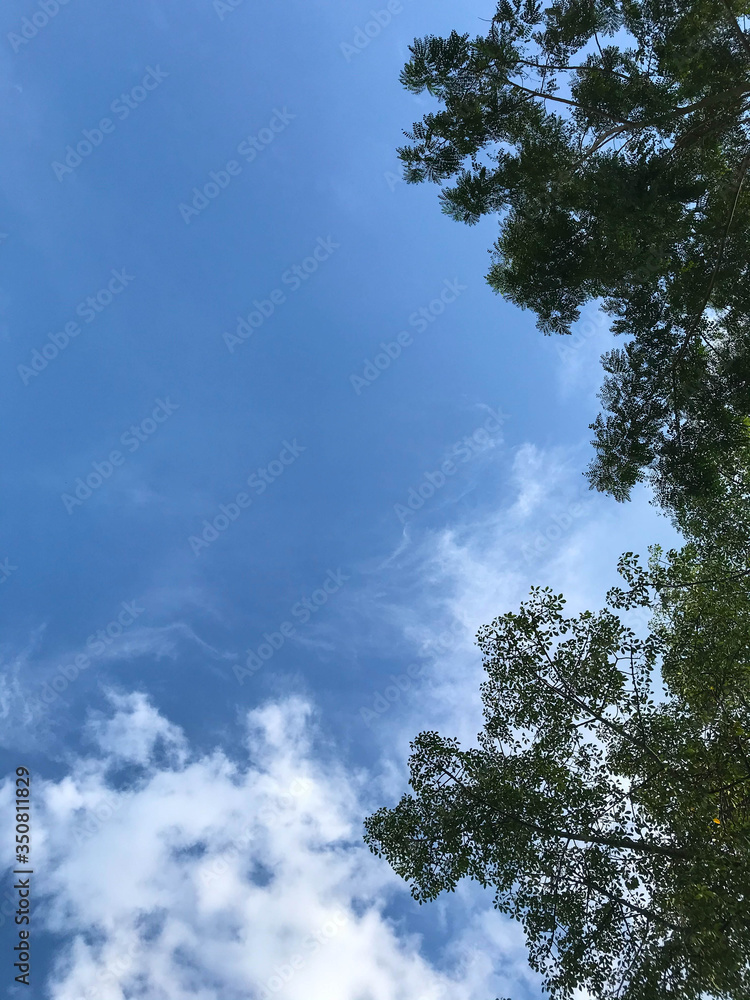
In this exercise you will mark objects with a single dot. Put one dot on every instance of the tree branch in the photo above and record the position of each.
(695, 583)
(737, 29)
(598, 69)
(743, 170)
(570, 696)
(620, 842)
(650, 914)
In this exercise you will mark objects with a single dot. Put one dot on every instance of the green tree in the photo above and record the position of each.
(683, 428)
(612, 139)
(608, 800)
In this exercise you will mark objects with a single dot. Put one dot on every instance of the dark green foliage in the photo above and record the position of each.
(617, 165)
(607, 802)
(613, 824)
(683, 426)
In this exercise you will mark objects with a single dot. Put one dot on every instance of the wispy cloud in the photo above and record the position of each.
(426, 601)
(34, 686)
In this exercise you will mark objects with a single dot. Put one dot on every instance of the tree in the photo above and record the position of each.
(613, 824)
(612, 139)
(683, 428)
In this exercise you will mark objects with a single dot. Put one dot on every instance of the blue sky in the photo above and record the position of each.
(123, 378)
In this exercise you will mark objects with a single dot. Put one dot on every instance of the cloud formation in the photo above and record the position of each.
(429, 598)
(174, 875)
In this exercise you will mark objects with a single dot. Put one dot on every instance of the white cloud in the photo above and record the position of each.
(136, 728)
(212, 878)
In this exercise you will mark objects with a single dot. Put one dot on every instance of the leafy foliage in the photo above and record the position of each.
(682, 426)
(612, 138)
(612, 821)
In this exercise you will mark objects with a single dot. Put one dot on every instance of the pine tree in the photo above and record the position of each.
(612, 139)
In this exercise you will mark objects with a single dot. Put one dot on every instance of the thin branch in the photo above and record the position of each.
(677, 424)
(705, 102)
(695, 583)
(573, 104)
(602, 139)
(617, 842)
(598, 69)
(556, 896)
(743, 170)
(737, 29)
(570, 696)
(633, 906)
(636, 691)
(726, 788)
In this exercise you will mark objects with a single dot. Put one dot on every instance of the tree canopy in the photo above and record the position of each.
(612, 139)
(608, 800)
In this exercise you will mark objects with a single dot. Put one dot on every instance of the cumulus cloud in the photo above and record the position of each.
(217, 877)
(174, 874)
(133, 732)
